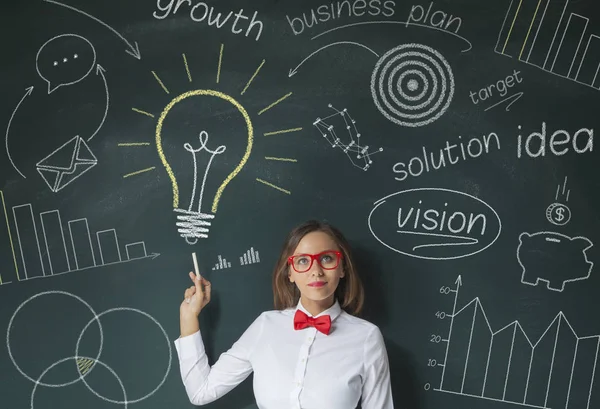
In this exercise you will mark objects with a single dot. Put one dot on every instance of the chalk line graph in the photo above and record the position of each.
(502, 378)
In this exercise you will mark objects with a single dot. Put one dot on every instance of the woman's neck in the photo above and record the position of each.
(317, 307)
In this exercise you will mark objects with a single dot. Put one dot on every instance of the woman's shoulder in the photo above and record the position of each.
(359, 322)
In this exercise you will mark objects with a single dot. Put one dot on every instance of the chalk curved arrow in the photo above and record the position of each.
(28, 92)
(133, 50)
(293, 71)
(100, 71)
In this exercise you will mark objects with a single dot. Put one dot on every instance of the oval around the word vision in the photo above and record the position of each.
(434, 223)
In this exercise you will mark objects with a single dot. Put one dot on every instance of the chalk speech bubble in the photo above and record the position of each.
(65, 60)
(434, 223)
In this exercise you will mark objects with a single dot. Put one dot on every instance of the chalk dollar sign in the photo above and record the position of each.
(558, 214)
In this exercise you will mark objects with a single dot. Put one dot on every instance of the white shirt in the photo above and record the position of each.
(303, 369)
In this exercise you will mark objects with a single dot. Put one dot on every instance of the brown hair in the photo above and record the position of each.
(349, 292)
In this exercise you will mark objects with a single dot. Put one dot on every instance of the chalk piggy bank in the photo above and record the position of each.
(553, 258)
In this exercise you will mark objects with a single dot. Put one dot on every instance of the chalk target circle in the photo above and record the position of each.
(399, 80)
(10, 325)
(120, 309)
(412, 84)
(400, 83)
(76, 358)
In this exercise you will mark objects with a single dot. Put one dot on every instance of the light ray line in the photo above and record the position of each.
(273, 186)
(281, 159)
(282, 131)
(134, 144)
(139, 111)
(139, 171)
(187, 68)
(160, 82)
(252, 78)
(220, 61)
(274, 103)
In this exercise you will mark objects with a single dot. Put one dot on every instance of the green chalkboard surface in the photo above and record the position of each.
(451, 141)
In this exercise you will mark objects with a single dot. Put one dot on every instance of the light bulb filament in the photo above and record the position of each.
(203, 137)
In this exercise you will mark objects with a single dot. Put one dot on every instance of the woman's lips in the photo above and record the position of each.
(317, 284)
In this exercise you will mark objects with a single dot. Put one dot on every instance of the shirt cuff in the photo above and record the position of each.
(190, 346)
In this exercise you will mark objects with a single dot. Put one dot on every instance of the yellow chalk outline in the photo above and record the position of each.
(282, 131)
(274, 103)
(529, 31)
(220, 60)
(139, 111)
(161, 154)
(160, 82)
(512, 26)
(137, 172)
(252, 78)
(187, 69)
(274, 186)
(281, 159)
(12, 247)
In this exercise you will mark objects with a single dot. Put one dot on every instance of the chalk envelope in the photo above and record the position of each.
(66, 164)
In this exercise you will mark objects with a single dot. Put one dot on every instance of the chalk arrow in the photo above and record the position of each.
(133, 50)
(293, 71)
(100, 71)
(458, 281)
(28, 92)
(154, 255)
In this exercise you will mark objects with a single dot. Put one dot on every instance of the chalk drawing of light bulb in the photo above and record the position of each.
(193, 221)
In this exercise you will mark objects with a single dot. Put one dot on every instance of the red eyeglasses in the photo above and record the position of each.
(328, 260)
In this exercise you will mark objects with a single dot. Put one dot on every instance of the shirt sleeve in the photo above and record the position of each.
(377, 388)
(204, 383)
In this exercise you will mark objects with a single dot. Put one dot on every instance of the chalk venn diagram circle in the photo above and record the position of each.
(412, 85)
(93, 341)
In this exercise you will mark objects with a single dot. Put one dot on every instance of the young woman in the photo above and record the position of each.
(312, 351)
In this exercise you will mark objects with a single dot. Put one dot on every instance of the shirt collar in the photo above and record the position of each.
(334, 311)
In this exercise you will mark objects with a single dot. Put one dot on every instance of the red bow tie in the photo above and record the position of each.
(322, 323)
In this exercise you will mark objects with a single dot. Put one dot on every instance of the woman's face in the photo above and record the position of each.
(327, 279)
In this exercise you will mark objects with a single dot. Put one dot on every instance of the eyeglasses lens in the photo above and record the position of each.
(328, 261)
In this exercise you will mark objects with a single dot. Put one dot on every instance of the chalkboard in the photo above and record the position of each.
(451, 141)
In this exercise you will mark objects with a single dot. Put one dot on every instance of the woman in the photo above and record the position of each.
(312, 351)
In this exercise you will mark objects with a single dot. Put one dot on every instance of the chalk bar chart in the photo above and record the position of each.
(65, 249)
(250, 257)
(544, 33)
(558, 371)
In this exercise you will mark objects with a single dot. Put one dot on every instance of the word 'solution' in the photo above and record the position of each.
(442, 157)
(202, 12)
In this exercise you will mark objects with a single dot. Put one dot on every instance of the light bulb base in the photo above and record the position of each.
(193, 225)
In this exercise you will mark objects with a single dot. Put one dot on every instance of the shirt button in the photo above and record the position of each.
(303, 359)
